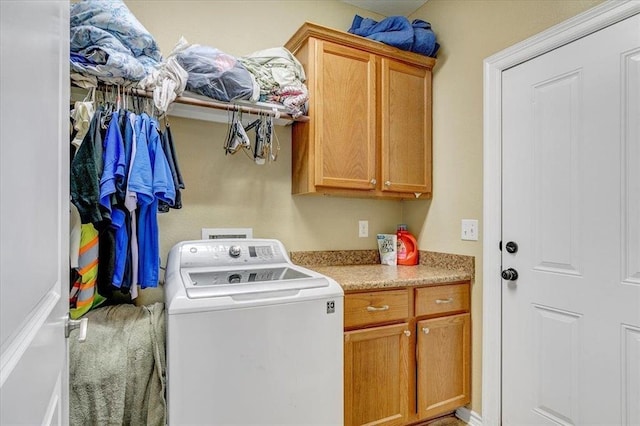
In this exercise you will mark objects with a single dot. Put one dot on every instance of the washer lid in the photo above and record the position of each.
(215, 283)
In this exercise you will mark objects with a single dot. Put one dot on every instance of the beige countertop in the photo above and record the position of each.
(365, 277)
(358, 270)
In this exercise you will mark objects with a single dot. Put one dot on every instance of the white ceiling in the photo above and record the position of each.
(388, 7)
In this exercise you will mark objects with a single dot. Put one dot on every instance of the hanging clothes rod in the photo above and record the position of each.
(225, 106)
(201, 109)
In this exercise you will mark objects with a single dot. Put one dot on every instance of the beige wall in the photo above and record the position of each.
(230, 191)
(470, 31)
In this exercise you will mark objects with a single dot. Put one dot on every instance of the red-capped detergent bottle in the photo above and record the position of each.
(407, 247)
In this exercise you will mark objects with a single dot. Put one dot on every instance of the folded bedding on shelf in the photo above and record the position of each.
(108, 42)
(396, 31)
(280, 77)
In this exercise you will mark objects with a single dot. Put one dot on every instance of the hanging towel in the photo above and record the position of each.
(117, 376)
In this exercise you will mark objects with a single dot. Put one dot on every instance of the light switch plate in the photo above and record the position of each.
(469, 230)
(363, 228)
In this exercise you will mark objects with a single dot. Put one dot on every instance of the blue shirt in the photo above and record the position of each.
(163, 189)
(118, 217)
(113, 160)
(141, 175)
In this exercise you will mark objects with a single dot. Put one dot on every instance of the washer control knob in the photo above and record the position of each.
(234, 251)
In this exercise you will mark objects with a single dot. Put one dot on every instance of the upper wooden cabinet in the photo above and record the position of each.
(369, 128)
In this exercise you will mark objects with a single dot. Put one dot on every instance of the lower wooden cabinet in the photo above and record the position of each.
(376, 371)
(443, 363)
(407, 354)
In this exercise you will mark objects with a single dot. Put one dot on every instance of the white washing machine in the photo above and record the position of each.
(252, 339)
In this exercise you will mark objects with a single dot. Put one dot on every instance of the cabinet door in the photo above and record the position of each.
(443, 358)
(345, 117)
(406, 128)
(376, 375)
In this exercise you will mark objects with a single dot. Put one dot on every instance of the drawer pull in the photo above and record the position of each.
(425, 330)
(378, 308)
(443, 301)
(407, 333)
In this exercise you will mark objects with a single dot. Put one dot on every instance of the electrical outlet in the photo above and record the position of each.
(363, 228)
(469, 229)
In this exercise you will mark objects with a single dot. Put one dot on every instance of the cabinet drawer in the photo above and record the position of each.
(375, 307)
(442, 299)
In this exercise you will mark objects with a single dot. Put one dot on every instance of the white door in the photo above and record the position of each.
(571, 203)
(34, 205)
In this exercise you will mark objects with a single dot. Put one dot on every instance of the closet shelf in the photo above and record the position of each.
(212, 110)
(200, 108)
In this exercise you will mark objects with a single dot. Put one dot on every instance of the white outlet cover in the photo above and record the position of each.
(469, 230)
(363, 228)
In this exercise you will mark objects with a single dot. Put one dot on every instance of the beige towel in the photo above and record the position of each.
(117, 376)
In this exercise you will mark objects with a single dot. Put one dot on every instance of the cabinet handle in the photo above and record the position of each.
(373, 181)
(378, 308)
(387, 183)
(407, 333)
(443, 301)
(425, 330)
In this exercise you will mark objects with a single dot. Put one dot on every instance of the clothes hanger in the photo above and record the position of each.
(237, 138)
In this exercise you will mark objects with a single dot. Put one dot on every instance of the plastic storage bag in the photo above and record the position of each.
(217, 75)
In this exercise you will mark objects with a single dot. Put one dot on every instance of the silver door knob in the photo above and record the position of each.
(373, 181)
(510, 274)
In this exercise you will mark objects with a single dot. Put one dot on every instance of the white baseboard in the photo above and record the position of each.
(471, 417)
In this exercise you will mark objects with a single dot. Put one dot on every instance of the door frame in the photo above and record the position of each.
(588, 22)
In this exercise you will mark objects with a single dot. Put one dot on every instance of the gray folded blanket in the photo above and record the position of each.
(117, 376)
